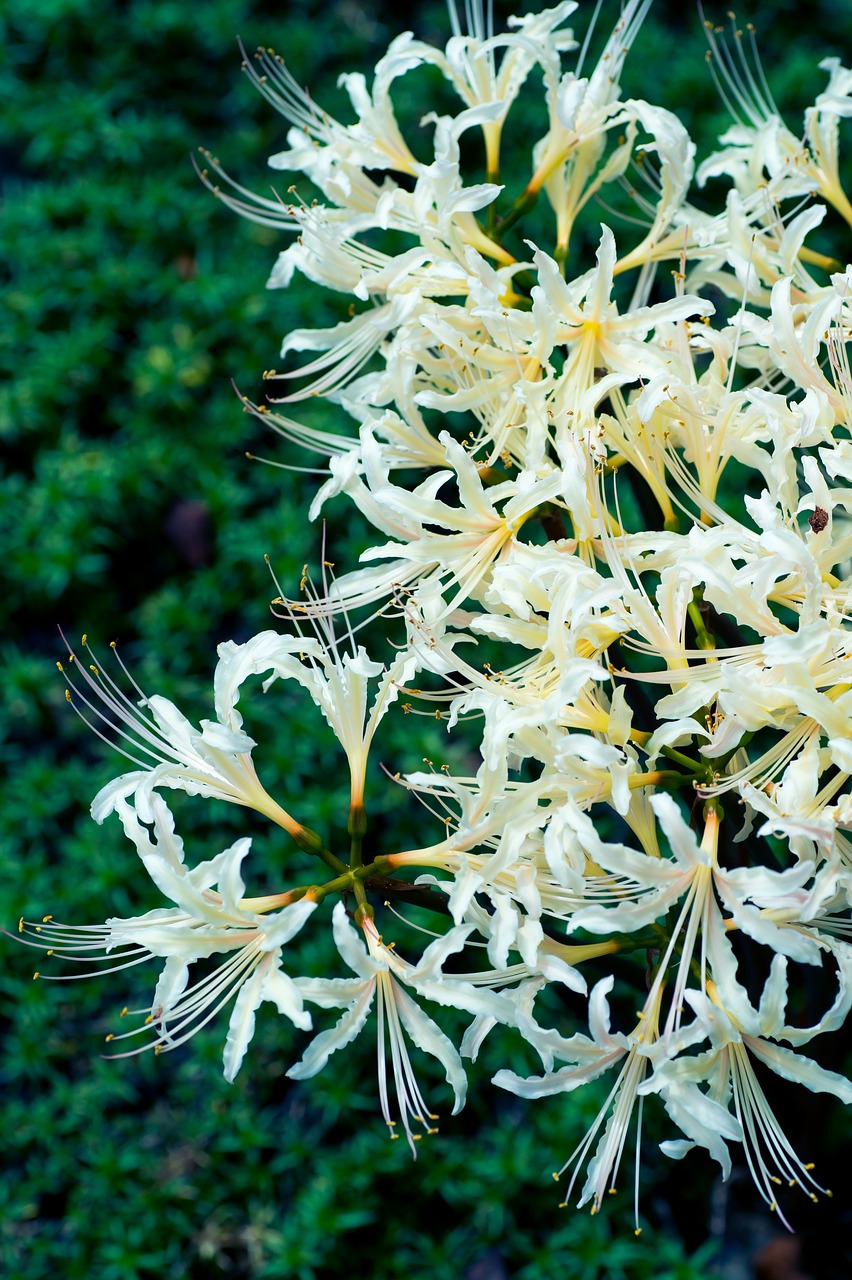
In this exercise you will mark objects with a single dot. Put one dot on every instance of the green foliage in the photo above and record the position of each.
(127, 507)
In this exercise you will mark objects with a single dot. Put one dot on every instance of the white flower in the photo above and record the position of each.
(590, 1058)
(214, 760)
(203, 923)
(728, 1071)
(453, 547)
(382, 976)
(339, 684)
(470, 61)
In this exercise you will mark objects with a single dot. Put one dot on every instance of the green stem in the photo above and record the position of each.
(356, 879)
(522, 205)
(491, 216)
(678, 757)
(703, 638)
(333, 863)
(703, 771)
(357, 829)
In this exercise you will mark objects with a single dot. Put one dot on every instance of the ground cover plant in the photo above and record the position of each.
(130, 510)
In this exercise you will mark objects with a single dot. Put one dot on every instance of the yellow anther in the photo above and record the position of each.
(431, 1131)
(149, 1019)
(123, 1013)
(21, 925)
(68, 695)
(158, 1049)
(59, 666)
(49, 951)
(109, 1037)
(94, 669)
(38, 928)
(555, 1177)
(45, 919)
(638, 1231)
(113, 644)
(85, 638)
(808, 1167)
(612, 1191)
(35, 975)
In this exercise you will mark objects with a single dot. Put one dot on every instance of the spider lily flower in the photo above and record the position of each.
(585, 317)
(695, 883)
(338, 681)
(382, 976)
(339, 685)
(728, 1072)
(204, 922)
(213, 760)
(590, 1058)
(347, 347)
(582, 111)
(447, 547)
(797, 808)
(470, 60)
(760, 144)
(334, 155)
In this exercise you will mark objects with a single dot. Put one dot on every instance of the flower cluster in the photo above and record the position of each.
(629, 571)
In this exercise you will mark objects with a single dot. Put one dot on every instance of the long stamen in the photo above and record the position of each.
(763, 1134)
(179, 1023)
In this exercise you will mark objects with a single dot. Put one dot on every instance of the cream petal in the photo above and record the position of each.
(328, 1042)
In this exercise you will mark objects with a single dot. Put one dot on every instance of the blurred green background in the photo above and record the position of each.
(132, 301)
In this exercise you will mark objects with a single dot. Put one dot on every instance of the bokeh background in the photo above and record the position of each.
(132, 304)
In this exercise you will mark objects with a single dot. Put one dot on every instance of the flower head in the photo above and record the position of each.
(204, 922)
